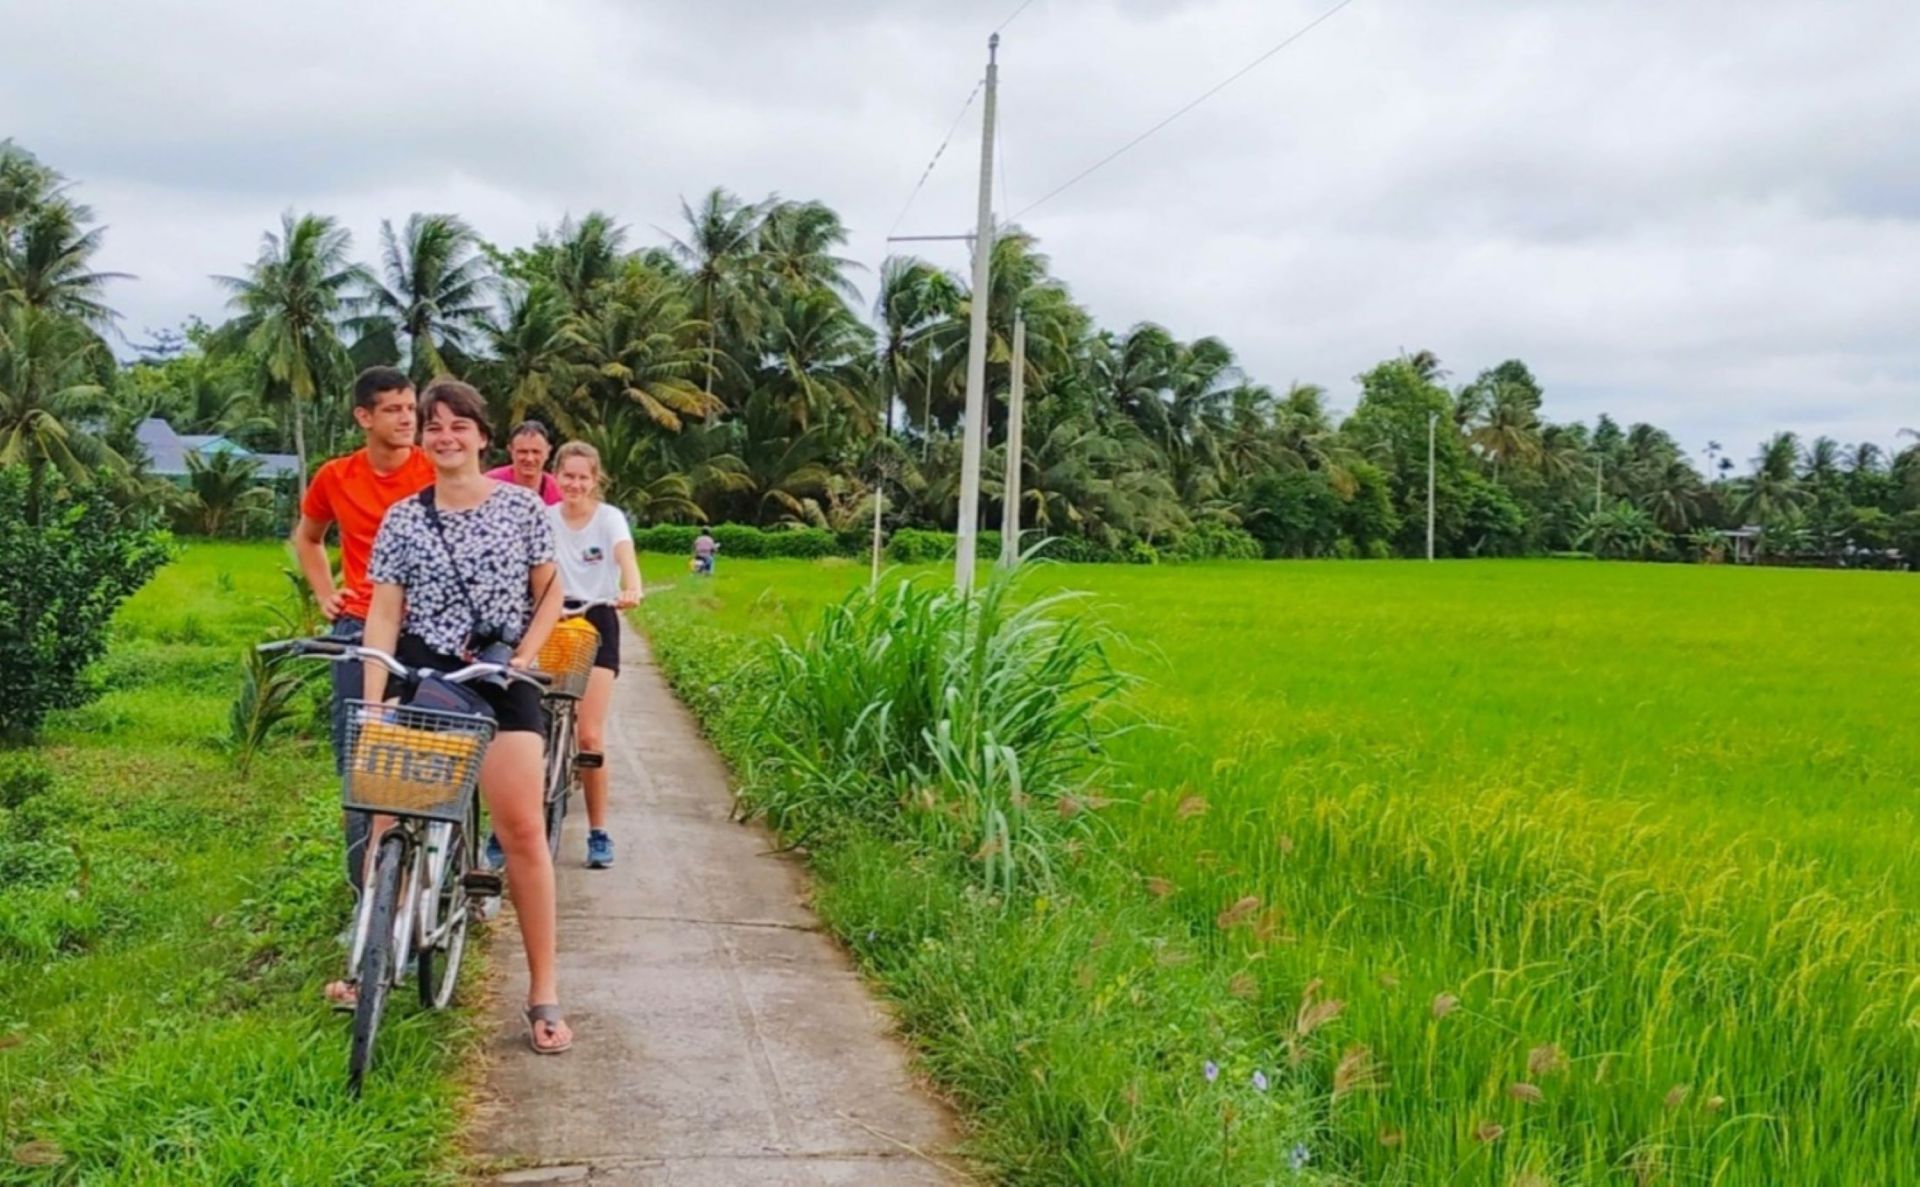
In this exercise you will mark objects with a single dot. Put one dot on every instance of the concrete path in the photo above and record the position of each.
(722, 1038)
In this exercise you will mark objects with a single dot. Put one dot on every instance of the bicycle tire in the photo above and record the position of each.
(455, 909)
(376, 960)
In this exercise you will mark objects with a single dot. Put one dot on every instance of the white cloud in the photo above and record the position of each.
(1703, 214)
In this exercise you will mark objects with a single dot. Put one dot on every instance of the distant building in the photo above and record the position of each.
(168, 451)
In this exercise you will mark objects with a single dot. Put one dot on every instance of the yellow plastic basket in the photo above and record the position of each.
(412, 762)
(567, 656)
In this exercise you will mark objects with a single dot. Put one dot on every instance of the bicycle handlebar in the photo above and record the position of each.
(575, 607)
(335, 651)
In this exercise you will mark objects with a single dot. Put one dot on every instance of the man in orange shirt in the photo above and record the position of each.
(354, 492)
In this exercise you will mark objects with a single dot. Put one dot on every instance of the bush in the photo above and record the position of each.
(60, 582)
(1211, 540)
(743, 540)
(917, 546)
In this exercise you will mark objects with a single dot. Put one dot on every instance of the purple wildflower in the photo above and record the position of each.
(1260, 1081)
(1211, 1070)
(1299, 1156)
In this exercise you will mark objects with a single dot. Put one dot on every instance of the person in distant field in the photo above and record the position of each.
(529, 445)
(594, 546)
(354, 492)
(704, 546)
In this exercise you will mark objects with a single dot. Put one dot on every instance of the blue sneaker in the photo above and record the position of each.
(495, 858)
(599, 850)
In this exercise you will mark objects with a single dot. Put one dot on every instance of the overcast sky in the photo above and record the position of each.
(1705, 214)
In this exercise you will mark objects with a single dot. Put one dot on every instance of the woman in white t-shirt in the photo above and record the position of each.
(594, 547)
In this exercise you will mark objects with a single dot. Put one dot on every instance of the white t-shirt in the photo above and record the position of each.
(587, 565)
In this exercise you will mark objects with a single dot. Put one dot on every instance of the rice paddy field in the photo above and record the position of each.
(1530, 872)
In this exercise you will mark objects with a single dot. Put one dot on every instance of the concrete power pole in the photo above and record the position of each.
(966, 535)
(1433, 420)
(1016, 424)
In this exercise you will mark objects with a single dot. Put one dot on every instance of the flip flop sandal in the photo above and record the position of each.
(346, 1004)
(548, 1013)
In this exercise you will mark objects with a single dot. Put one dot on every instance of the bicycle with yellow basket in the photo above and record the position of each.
(568, 657)
(416, 765)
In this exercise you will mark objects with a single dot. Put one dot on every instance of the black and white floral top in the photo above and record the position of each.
(493, 545)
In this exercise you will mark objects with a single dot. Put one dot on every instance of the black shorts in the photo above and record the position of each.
(516, 708)
(606, 620)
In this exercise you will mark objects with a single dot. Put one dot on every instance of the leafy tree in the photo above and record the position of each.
(223, 491)
(288, 308)
(47, 366)
(1621, 532)
(434, 294)
(69, 566)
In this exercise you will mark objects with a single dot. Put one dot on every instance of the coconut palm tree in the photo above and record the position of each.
(288, 308)
(529, 372)
(818, 352)
(47, 367)
(1508, 431)
(719, 253)
(46, 262)
(580, 258)
(636, 347)
(1673, 496)
(1772, 489)
(796, 242)
(222, 490)
(434, 294)
(914, 296)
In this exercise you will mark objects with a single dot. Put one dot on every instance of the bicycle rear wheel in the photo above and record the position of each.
(376, 958)
(437, 965)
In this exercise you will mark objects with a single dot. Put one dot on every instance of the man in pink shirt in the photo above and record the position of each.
(529, 447)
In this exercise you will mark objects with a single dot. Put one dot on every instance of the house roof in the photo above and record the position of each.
(168, 451)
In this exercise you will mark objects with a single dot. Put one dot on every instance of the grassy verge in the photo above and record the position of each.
(1497, 873)
(166, 925)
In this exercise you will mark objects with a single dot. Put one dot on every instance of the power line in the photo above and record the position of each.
(918, 185)
(1016, 13)
(1222, 85)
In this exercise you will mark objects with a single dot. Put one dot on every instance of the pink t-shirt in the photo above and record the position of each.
(549, 489)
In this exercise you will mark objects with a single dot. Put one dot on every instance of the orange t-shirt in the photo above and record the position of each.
(350, 492)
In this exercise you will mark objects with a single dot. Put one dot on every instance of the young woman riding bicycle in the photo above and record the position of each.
(466, 569)
(595, 547)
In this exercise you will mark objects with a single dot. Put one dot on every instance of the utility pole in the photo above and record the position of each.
(966, 535)
(1433, 421)
(1599, 471)
(1016, 417)
(879, 503)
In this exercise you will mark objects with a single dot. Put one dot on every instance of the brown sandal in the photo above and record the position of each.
(549, 1014)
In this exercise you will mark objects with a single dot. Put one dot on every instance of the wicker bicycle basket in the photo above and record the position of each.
(412, 762)
(568, 656)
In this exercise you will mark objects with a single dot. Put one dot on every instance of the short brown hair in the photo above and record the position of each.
(463, 399)
(373, 382)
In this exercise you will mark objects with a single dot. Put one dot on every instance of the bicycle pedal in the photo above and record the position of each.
(589, 760)
(482, 883)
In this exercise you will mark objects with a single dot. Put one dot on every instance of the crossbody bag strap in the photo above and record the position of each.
(475, 626)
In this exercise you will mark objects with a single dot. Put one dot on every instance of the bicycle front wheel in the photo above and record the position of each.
(376, 959)
(448, 942)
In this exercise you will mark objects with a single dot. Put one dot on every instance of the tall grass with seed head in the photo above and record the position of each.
(969, 722)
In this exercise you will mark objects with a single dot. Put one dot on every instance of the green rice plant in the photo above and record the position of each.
(1499, 873)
